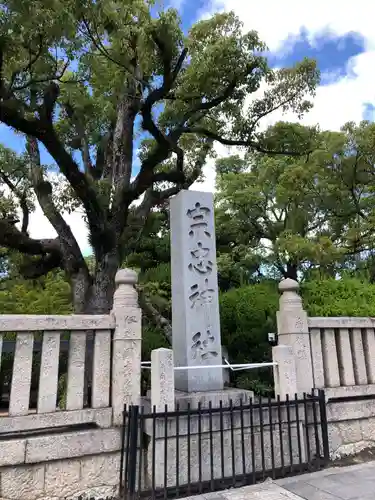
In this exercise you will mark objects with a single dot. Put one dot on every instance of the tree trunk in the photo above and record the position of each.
(94, 296)
(292, 271)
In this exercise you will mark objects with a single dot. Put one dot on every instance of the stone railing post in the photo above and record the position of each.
(285, 375)
(126, 348)
(293, 330)
(162, 379)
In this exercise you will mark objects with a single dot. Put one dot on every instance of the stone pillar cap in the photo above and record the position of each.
(288, 285)
(126, 277)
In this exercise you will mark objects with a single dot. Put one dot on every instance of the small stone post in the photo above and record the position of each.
(162, 379)
(285, 375)
(293, 330)
(126, 347)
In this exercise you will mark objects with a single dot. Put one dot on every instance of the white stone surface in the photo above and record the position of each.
(331, 366)
(22, 482)
(285, 374)
(369, 348)
(195, 304)
(351, 410)
(317, 358)
(162, 379)
(101, 369)
(21, 375)
(31, 322)
(293, 330)
(349, 391)
(265, 491)
(99, 470)
(346, 367)
(76, 371)
(102, 417)
(96, 476)
(12, 452)
(126, 350)
(72, 444)
(341, 322)
(49, 371)
(62, 477)
(204, 398)
(359, 358)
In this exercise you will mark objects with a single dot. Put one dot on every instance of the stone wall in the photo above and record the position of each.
(64, 465)
(351, 427)
(92, 476)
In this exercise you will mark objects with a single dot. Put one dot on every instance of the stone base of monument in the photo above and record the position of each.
(226, 395)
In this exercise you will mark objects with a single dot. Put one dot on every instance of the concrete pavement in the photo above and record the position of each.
(355, 482)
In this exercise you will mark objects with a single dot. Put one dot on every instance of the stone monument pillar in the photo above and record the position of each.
(195, 304)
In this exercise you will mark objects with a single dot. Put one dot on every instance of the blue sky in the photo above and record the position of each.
(339, 35)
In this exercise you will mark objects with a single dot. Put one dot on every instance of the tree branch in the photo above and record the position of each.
(50, 97)
(272, 109)
(42, 266)
(81, 184)
(105, 53)
(22, 200)
(71, 253)
(32, 61)
(236, 142)
(82, 136)
(213, 103)
(13, 238)
(154, 315)
(35, 81)
(166, 143)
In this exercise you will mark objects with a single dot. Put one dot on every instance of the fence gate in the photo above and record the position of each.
(173, 454)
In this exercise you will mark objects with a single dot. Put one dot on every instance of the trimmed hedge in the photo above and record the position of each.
(345, 297)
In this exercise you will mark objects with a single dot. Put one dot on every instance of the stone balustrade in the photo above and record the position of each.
(337, 354)
(52, 329)
(113, 371)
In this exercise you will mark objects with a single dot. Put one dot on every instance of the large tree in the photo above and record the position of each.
(294, 215)
(129, 108)
(346, 161)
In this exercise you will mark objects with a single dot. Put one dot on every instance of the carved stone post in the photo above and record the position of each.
(162, 379)
(126, 348)
(293, 330)
(285, 372)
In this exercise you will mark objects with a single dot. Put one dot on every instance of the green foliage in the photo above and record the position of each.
(343, 297)
(299, 215)
(47, 295)
(247, 315)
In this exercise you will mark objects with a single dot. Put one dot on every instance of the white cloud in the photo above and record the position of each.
(341, 99)
(275, 20)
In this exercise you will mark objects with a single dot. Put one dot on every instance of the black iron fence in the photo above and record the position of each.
(172, 454)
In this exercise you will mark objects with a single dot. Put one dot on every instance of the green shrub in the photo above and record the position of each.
(247, 315)
(344, 297)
